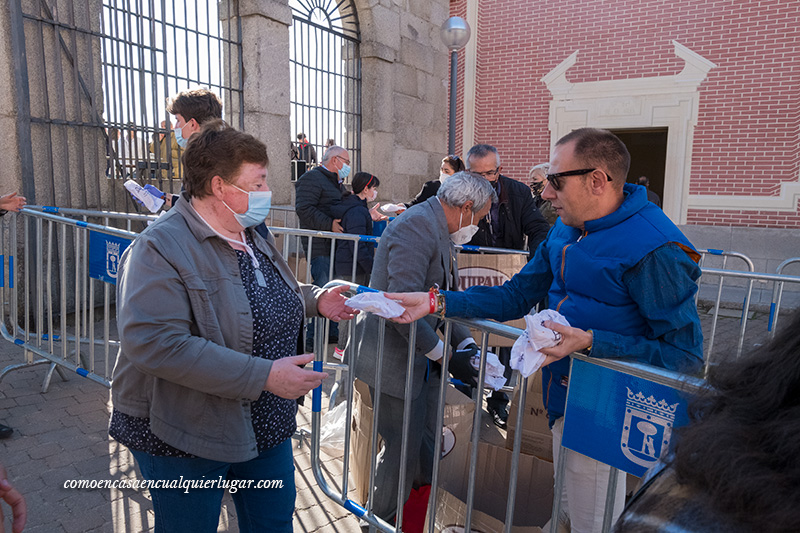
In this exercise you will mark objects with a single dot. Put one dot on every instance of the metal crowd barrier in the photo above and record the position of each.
(49, 302)
(623, 373)
(777, 295)
(779, 280)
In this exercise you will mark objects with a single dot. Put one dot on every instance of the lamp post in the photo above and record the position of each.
(455, 34)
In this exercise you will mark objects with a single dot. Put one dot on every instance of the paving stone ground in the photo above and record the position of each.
(61, 435)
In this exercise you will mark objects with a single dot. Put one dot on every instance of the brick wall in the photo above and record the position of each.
(747, 140)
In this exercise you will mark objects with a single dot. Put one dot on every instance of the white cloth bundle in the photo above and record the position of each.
(494, 376)
(393, 208)
(525, 354)
(376, 303)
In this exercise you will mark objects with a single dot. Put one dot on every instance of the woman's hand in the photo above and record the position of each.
(417, 305)
(12, 202)
(373, 213)
(330, 304)
(288, 379)
(14, 499)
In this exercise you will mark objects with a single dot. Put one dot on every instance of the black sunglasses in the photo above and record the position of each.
(555, 179)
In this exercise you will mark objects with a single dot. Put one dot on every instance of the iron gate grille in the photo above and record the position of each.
(93, 90)
(325, 75)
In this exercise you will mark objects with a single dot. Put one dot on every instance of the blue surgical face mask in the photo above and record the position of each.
(179, 137)
(344, 172)
(258, 204)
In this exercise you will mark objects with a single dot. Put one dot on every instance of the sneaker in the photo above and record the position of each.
(499, 415)
(5, 432)
(338, 353)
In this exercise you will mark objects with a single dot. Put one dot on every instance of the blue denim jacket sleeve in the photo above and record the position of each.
(513, 299)
(663, 284)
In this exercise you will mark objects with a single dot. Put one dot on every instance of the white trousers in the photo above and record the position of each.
(583, 498)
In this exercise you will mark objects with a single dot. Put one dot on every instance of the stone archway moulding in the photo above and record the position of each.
(670, 102)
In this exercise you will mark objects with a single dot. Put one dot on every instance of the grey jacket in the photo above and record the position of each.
(414, 253)
(186, 333)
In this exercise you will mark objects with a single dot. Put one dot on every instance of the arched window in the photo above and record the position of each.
(325, 75)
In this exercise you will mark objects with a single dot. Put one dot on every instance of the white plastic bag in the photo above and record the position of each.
(334, 424)
(525, 354)
(377, 303)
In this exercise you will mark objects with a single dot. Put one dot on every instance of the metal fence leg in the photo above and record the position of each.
(561, 467)
(49, 376)
(611, 496)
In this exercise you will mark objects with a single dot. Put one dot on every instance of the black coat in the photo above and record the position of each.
(430, 188)
(317, 191)
(519, 217)
(355, 220)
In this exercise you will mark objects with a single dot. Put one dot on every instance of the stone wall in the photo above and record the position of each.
(405, 72)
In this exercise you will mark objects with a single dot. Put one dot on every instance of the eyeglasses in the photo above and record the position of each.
(487, 173)
(555, 179)
(347, 161)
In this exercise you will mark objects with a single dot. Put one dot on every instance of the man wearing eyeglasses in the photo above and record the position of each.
(317, 191)
(514, 216)
(512, 219)
(622, 274)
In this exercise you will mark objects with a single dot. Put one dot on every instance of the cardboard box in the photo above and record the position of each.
(458, 413)
(490, 270)
(536, 436)
(534, 498)
(360, 440)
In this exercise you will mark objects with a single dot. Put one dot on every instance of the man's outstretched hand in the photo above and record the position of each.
(416, 304)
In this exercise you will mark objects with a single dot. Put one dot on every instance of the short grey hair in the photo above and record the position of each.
(466, 186)
(540, 169)
(480, 151)
(332, 152)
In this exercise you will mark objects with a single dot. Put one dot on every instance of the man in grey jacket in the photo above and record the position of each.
(416, 253)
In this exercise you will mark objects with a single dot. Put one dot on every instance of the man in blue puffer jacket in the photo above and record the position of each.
(622, 274)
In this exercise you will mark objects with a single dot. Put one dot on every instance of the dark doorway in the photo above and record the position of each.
(648, 148)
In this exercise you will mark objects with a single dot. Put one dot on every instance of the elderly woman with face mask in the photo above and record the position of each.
(210, 317)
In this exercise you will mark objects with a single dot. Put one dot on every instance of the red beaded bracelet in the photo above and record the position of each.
(432, 297)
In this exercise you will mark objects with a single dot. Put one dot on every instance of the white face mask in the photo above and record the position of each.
(465, 234)
(443, 176)
(374, 195)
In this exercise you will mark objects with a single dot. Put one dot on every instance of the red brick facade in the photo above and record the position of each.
(747, 138)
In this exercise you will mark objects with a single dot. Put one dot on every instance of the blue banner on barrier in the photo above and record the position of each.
(105, 252)
(619, 419)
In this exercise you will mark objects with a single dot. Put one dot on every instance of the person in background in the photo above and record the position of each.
(357, 220)
(620, 272)
(513, 222)
(450, 165)
(306, 151)
(192, 109)
(652, 196)
(735, 467)
(316, 192)
(15, 500)
(166, 149)
(537, 176)
(329, 143)
(9, 202)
